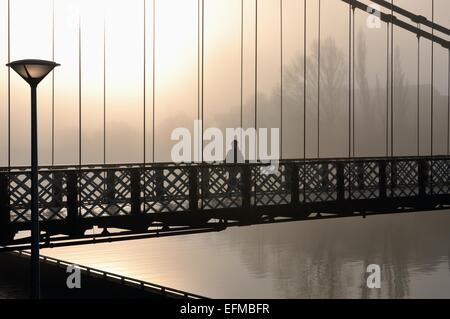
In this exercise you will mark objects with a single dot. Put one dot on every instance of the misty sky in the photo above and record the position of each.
(176, 76)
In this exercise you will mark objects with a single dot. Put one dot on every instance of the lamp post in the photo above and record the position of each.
(34, 71)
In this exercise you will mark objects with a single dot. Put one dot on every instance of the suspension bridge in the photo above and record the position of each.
(81, 204)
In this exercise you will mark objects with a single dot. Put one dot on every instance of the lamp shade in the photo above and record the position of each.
(33, 71)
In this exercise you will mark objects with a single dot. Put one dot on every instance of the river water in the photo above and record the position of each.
(323, 258)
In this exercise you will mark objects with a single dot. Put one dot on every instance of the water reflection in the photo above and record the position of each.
(295, 260)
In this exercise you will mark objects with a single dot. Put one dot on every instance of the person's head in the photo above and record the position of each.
(234, 143)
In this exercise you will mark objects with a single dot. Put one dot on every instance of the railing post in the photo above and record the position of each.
(323, 176)
(423, 177)
(360, 175)
(205, 181)
(340, 176)
(246, 185)
(382, 179)
(393, 174)
(5, 217)
(193, 189)
(135, 181)
(57, 189)
(72, 195)
(159, 182)
(294, 181)
(110, 186)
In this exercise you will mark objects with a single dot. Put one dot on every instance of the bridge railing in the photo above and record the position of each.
(71, 193)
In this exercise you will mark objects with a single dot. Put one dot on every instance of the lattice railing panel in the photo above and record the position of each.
(165, 189)
(362, 180)
(402, 178)
(52, 196)
(20, 196)
(221, 187)
(271, 189)
(318, 182)
(439, 177)
(104, 193)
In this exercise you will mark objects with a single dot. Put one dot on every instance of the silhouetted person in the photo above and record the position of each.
(234, 156)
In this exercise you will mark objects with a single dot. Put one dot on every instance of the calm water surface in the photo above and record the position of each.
(310, 259)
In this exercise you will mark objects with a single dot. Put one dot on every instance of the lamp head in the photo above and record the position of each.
(33, 71)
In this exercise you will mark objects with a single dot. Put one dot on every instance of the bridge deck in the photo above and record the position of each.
(180, 198)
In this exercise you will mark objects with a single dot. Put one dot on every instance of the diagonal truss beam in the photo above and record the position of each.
(414, 17)
(388, 18)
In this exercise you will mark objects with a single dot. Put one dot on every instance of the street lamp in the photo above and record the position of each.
(34, 71)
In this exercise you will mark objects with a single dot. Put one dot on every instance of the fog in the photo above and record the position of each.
(112, 77)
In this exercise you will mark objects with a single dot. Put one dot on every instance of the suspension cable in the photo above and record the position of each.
(198, 155)
(256, 80)
(349, 80)
(104, 88)
(350, 67)
(387, 87)
(353, 82)
(392, 80)
(79, 92)
(153, 78)
(242, 67)
(418, 92)
(281, 79)
(144, 96)
(448, 105)
(203, 72)
(304, 81)
(53, 84)
(304, 99)
(432, 80)
(9, 85)
(318, 80)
